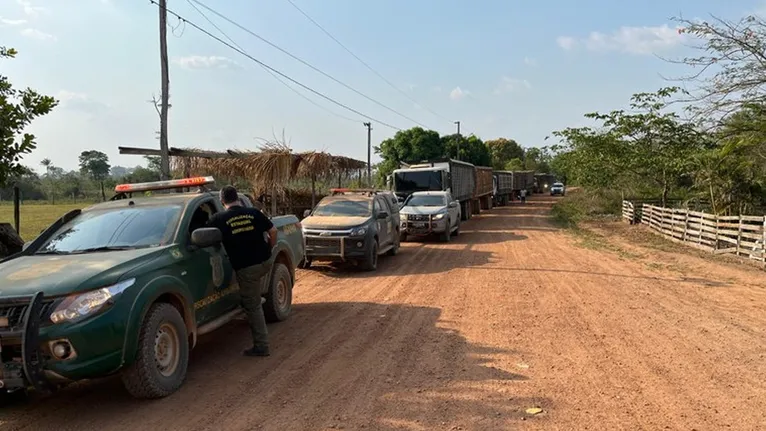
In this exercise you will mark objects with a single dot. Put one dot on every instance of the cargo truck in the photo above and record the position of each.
(482, 196)
(503, 187)
(523, 180)
(454, 176)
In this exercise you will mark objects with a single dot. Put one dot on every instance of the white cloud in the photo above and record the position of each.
(530, 61)
(632, 40)
(508, 85)
(31, 9)
(458, 93)
(80, 102)
(33, 33)
(205, 62)
(11, 22)
(566, 42)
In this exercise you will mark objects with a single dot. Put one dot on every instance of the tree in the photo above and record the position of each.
(472, 149)
(411, 145)
(95, 164)
(730, 71)
(504, 150)
(645, 145)
(17, 110)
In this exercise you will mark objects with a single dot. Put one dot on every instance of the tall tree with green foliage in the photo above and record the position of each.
(17, 110)
(504, 150)
(411, 145)
(95, 164)
(470, 149)
(647, 144)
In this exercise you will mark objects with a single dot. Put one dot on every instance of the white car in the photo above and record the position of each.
(558, 189)
(430, 212)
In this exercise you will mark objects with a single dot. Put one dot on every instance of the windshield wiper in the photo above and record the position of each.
(52, 252)
(104, 248)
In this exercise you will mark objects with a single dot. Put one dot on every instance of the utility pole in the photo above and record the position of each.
(369, 153)
(164, 150)
(458, 139)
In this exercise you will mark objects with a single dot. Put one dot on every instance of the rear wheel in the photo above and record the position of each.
(279, 298)
(447, 235)
(457, 228)
(163, 354)
(403, 237)
(395, 249)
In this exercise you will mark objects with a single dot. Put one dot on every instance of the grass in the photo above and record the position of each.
(36, 217)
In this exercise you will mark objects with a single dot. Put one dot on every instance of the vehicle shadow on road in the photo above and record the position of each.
(345, 365)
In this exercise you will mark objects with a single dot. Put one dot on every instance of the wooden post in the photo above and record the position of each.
(17, 209)
(739, 235)
(716, 233)
(340, 178)
(314, 192)
(686, 224)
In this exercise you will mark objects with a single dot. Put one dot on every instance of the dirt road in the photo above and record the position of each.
(468, 335)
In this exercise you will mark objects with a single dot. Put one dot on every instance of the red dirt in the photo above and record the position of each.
(512, 314)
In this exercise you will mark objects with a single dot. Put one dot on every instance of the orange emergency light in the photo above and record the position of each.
(164, 185)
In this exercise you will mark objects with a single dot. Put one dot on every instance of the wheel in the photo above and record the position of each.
(279, 298)
(464, 215)
(457, 229)
(370, 263)
(163, 354)
(305, 264)
(395, 250)
(447, 235)
(402, 237)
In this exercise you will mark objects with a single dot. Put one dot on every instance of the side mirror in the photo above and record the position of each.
(206, 237)
(453, 204)
(26, 245)
(306, 213)
(382, 215)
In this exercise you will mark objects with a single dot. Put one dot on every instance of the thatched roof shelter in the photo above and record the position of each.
(268, 170)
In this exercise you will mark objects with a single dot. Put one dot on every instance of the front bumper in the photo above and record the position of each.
(334, 245)
(21, 357)
(422, 225)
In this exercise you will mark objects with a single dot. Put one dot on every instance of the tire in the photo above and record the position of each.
(464, 215)
(457, 229)
(279, 298)
(305, 264)
(143, 378)
(402, 237)
(395, 250)
(447, 235)
(370, 263)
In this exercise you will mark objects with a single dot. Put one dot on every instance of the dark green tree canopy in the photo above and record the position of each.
(95, 164)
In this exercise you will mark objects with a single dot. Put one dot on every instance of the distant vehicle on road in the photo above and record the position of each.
(127, 286)
(355, 225)
(558, 189)
(430, 213)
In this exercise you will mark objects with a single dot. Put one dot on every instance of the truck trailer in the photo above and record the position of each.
(482, 197)
(503, 181)
(523, 180)
(454, 176)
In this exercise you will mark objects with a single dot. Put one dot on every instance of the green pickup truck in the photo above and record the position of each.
(127, 286)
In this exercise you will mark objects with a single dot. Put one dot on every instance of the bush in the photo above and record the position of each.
(580, 205)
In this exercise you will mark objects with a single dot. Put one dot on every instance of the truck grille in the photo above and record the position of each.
(321, 245)
(15, 314)
(417, 217)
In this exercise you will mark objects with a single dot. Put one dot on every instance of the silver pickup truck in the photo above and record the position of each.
(430, 213)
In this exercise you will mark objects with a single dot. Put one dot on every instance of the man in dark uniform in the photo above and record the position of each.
(244, 238)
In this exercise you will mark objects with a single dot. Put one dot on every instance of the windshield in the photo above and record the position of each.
(558, 185)
(425, 201)
(123, 228)
(413, 181)
(344, 208)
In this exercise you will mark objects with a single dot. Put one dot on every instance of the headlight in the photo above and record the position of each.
(439, 216)
(83, 304)
(360, 231)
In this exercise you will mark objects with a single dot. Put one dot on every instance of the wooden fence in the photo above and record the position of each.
(742, 235)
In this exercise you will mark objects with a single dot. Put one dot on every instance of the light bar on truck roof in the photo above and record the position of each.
(347, 190)
(164, 185)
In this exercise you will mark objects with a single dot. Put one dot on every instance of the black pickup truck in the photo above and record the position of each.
(352, 225)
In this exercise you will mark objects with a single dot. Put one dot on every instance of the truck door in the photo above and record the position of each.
(209, 272)
(384, 225)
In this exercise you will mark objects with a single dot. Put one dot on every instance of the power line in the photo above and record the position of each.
(404, 93)
(300, 84)
(304, 62)
(267, 70)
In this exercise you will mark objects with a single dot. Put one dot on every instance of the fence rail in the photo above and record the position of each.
(742, 235)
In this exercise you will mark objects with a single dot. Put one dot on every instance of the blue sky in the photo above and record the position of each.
(503, 68)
